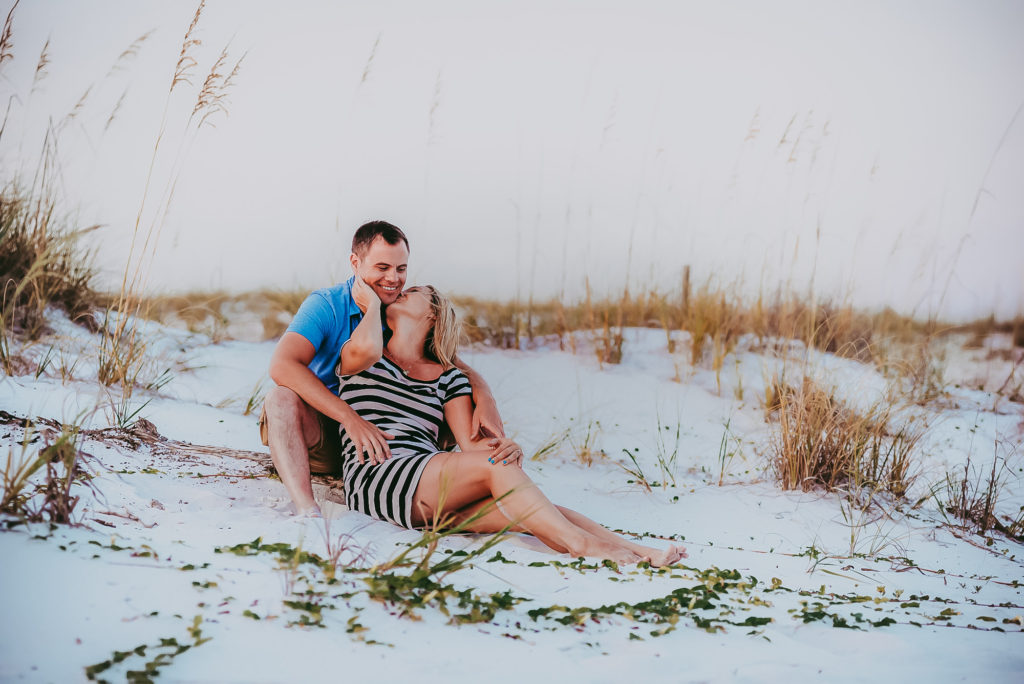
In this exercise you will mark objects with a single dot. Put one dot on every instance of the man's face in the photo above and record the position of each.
(383, 268)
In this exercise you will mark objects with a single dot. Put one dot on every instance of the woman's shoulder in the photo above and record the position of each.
(452, 380)
(451, 374)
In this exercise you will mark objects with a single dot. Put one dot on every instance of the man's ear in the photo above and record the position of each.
(354, 260)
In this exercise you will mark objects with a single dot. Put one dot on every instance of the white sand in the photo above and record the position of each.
(71, 600)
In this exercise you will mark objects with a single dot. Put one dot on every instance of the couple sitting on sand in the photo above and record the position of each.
(366, 378)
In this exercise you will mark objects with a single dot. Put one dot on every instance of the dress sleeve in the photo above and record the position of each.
(454, 383)
(337, 367)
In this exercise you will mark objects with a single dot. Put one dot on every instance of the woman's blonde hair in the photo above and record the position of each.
(442, 343)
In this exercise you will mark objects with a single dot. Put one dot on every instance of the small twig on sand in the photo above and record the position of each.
(127, 515)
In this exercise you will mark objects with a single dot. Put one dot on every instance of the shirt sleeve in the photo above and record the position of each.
(337, 366)
(313, 319)
(454, 383)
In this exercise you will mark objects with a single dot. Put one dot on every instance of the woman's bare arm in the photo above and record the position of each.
(458, 413)
(485, 420)
(366, 344)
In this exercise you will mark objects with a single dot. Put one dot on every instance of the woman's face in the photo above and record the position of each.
(413, 303)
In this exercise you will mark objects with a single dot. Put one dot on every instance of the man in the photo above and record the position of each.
(302, 414)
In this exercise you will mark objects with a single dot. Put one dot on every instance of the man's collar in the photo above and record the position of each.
(353, 310)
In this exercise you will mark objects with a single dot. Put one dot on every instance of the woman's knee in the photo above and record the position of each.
(454, 476)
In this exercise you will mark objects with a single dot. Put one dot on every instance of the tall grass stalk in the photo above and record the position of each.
(821, 442)
(635, 471)
(440, 526)
(41, 264)
(49, 497)
(858, 511)
(667, 450)
(123, 350)
(972, 498)
(724, 455)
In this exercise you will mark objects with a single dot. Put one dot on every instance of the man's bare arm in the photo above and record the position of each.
(486, 419)
(289, 367)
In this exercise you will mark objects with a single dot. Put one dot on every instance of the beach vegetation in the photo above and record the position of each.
(971, 498)
(163, 654)
(821, 441)
(38, 480)
(42, 265)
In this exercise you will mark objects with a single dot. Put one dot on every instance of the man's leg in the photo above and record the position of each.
(292, 427)
(325, 455)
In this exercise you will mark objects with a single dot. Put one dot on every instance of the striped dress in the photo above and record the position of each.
(411, 410)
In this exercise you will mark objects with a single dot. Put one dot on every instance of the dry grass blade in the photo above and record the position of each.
(41, 265)
(114, 112)
(47, 498)
(15, 476)
(7, 36)
(435, 103)
(77, 109)
(122, 350)
(130, 52)
(207, 94)
(439, 526)
(230, 80)
(41, 72)
(583, 442)
(974, 497)
(185, 59)
(821, 442)
(550, 445)
(369, 62)
(213, 95)
(339, 545)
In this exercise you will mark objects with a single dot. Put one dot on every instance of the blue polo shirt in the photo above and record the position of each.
(327, 319)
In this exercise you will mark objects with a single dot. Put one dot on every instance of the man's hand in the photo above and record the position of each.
(486, 419)
(505, 452)
(368, 439)
(364, 296)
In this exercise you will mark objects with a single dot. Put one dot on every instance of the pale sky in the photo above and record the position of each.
(529, 146)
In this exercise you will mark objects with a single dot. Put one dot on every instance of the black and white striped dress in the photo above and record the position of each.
(411, 410)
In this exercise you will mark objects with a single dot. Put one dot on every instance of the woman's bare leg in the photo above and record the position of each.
(489, 518)
(655, 557)
(453, 481)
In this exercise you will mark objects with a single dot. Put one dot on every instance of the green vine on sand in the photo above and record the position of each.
(167, 650)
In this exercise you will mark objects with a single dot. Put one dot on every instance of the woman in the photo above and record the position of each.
(408, 393)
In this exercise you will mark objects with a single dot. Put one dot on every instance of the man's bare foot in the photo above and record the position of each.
(311, 512)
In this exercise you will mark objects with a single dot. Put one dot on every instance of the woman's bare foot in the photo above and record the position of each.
(659, 558)
(656, 557)
(593, 547)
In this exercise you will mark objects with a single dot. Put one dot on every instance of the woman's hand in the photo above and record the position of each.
(368, 439)
(364, 296)
(505, 452)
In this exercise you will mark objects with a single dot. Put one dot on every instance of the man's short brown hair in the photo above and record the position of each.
(368, 232)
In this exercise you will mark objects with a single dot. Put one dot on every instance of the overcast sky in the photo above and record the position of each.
(877, 148)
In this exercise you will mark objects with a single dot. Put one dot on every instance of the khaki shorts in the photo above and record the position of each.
(325, 455)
